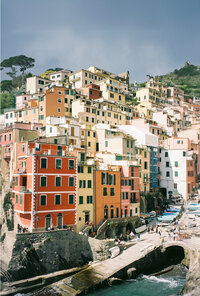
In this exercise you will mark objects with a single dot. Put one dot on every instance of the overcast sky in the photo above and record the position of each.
(142, 36)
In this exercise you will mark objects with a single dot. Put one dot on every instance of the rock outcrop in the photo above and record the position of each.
(192, 286)
(42, 253)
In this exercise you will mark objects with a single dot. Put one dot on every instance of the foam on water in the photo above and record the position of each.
(172, 283)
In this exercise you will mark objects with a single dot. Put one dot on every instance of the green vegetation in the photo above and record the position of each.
(9, 211)
(7, 100)
(20, 61)
(10, 88)
(187, 78)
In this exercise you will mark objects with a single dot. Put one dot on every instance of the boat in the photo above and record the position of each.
(140, 229)
(169, 218)
(114, 252)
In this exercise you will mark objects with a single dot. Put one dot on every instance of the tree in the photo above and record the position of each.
(20, 61)
(6, 85)
(6, 101)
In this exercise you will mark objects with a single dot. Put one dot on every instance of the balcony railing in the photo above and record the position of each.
(23, 189)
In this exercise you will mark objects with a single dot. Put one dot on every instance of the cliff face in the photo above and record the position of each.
(192, 286)
(42, 253)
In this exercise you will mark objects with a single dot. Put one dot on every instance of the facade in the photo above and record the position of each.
(130, 193)
(85, 192)
(107, 203)
(44, 186)
(36, 85)
(177, 168)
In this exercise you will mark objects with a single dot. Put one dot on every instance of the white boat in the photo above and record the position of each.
(140, 229)
(114, 251)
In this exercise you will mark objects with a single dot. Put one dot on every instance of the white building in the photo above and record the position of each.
(173, 172)
(114, 141)
(60, 75)
(36, 84)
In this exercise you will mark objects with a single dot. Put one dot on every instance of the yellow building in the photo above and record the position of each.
(143, 158)
(85, 196)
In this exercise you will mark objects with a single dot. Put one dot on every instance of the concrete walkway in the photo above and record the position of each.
(99, 272)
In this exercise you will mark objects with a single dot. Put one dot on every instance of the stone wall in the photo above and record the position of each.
(41, 253)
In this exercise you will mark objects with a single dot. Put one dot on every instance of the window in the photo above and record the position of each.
(16, 199)
(89, 199)
(59, 110)
(59, 100)
(57, 199)
(126, 195)
(85, 81)
(166, 154)
(87, 119)
(176, 163)
(71, 199)
(82, 156)
(34, 111)
(21, 198)
(105, 191)
(43, 181)
(43, 200)
(71, 181)
(80, 200)
(43, 163)
(71, 164)
(82, 183)
(23, 147)
(92, 119)
(66, 100)
(176, 174)
(58, 181)
(111, 95)
(58, 163)
(50, 129)
(184, 153)
(80, 169)
(127, 144)
(89, 184)
(145, 165)
(167, 164)
(112, 191)
(106, 143)
(167, 174)
(26, 112)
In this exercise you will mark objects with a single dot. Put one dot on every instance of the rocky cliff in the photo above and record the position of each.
(192, 286)
(41, 253)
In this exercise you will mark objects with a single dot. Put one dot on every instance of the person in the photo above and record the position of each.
(138, 236)
(159, 232)
(156, 228)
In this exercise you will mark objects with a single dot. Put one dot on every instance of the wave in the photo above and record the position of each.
(172, 283)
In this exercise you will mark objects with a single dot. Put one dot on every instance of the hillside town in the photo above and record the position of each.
(85, 148)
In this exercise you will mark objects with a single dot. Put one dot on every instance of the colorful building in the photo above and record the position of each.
(44, 186)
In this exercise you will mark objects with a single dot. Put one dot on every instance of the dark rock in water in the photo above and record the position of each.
(114, 281)
(131, 273)
(42, 253)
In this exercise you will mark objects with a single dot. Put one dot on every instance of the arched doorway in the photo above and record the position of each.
(60, 220)
(48, 221)
(106, 212)
(129, 228)
(111, 211)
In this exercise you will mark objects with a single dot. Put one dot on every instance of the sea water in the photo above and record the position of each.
(168, 284)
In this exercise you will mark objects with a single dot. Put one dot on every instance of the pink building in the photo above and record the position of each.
(130, 195)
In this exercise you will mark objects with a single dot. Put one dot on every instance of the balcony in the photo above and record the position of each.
(23, 189)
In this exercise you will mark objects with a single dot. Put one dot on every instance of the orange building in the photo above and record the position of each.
(107, 195)
(44, 186)
(52, 103)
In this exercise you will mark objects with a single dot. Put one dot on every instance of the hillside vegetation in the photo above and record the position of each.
(187, 78)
